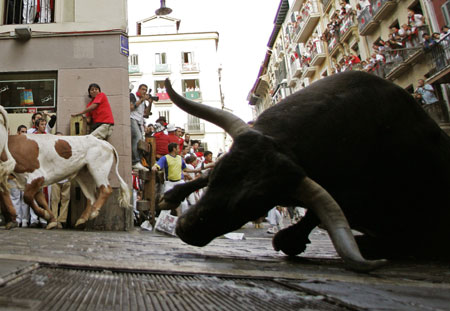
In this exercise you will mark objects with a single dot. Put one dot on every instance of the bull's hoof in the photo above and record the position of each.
(93, 215)
(289, 242)
(81, 223)
(11, 224)
(51, 225)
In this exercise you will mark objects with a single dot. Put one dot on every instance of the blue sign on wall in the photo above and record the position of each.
(124, 45)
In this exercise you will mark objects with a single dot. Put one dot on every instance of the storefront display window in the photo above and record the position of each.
(22, 92)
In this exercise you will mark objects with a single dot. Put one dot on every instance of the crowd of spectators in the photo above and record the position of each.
(181, 159)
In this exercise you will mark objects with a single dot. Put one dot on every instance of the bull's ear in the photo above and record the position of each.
(331, 215)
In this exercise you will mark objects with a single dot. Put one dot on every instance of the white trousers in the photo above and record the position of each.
(22, 209)
(169, 185)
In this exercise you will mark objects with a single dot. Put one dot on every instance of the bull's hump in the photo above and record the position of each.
(63, 149)
(25, 151)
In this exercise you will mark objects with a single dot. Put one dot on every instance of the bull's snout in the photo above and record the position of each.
(187, 231)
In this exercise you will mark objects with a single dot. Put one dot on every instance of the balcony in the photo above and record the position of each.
(333, 44)
(295, 68)
(194, 95)
(310, 15)
(382, 8)
(372, 14)
(308, 71)
(347, 28)
(163, 96)
(190, 68)
(438, 56)
(194, 128)
(318, 54)
(24, 12)
(133, 69)
(162, 69)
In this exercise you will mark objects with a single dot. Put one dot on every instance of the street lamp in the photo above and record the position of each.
(163, 10)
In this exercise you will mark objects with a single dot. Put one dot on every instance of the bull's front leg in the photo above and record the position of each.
(8, 210)
(293, 240)
(173, 198)
(31, 192)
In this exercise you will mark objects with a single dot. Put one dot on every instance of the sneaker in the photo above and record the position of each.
(34, 225)
(139, 166)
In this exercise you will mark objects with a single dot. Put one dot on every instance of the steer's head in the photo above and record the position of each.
(253, 177)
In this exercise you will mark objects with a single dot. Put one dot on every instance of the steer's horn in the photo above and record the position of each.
(228, 121)
(331, 215)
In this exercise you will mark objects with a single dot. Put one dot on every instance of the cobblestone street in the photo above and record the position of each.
(398, 286)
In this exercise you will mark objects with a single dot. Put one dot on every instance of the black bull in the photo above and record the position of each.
(383, 162)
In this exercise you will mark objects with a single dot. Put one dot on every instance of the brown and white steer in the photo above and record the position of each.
(42, 160)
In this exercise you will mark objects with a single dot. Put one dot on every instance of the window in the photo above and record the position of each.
(188, 58)
(26, 12)
(165, 113)
(160, 91)
(191, 88)
(134, 59)
(20, 92)
(161, 58)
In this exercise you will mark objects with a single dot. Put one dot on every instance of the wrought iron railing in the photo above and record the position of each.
(27, 12)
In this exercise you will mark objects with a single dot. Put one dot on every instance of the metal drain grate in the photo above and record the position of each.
(68, 289)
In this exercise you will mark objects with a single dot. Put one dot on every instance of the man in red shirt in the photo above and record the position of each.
(174, 138)
(98, 113)
(161, 141)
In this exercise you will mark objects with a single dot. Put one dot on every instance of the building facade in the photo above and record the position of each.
(190, 61)
(51, 53)
(313, 39)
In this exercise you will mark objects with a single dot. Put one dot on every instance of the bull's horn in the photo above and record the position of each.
(331, 215)
(228, 121)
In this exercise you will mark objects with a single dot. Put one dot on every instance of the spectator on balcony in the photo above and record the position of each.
(346, 7)
(432, 106)
(358, 10)
(428, 41)
(445, 30)
(405, 33)
(436, 36)
(415, 19)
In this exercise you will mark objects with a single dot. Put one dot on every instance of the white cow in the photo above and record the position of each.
(41, 160)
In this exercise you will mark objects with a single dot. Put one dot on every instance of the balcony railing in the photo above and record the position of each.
(190, 67)
(162, 68)
(133, 69)
(295, 68)
(439, 55)
(369, 17)
(24, 12)
(310, 15)
(317, 53)
(163, 96)
(194, 128)
(192, 94)
(333, 43)
(347, 24)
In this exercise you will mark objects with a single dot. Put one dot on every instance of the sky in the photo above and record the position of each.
(244, 29)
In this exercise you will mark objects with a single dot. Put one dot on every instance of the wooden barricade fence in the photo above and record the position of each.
(148, 202)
